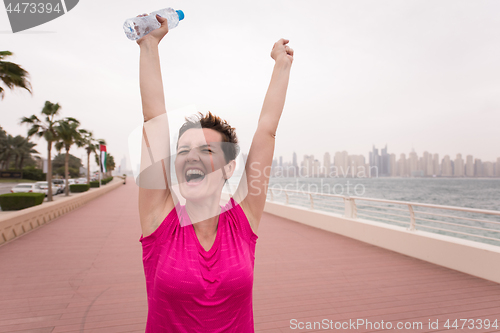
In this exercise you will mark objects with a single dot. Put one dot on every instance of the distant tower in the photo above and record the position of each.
(478, 168)
(458, 166)
(469, 166)
(341, 163)
(326, 165)
(380, 164)
(385, 162)
(374, 161)
(435, 162)
(295, 166)
(402, 169)
(413, 163)
(123, 165)
(446, 169)
(393, 165)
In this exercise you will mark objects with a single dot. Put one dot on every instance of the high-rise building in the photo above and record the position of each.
(478, 168)
(446, 170)
(435, 165)
(316, 165)
(402, 166)
(340, 163)
(488, 169)
(385, 162)
(458, 166)
(426, 164)
(469, 166)
(327, 162)
(412, 163)
(123, 165)
(497, 167)
(374, 161)
(379, 164)
(421, 167)
(359, 167)
(307, 166)
(274, 166)
(294, 170)
(392, 165)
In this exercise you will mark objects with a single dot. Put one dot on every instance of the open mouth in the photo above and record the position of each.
(194, 175)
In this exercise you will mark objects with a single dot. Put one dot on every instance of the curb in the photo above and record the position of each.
(19, 223)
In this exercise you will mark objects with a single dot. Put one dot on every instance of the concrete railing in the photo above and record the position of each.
(474, 258)
(15, 224)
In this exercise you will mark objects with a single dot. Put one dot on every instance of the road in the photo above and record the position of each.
(5, 187)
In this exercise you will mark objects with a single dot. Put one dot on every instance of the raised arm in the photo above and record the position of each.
(155, 200)
(260, 156)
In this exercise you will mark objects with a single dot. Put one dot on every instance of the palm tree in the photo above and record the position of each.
(45, 129)
(12, 75)
(18, 147)
(110, 164)
(68, 134)
(7, 150)
(23, 150)
(91, 146)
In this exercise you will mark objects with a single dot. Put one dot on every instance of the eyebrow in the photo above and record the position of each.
(203, 146)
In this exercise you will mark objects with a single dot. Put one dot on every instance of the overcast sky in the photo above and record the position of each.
(409, 74)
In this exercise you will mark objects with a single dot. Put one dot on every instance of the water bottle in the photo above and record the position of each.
(137, 27)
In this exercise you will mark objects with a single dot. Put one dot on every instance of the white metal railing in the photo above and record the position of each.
(410, 216)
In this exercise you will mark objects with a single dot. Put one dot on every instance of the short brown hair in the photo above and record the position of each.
(216, 123)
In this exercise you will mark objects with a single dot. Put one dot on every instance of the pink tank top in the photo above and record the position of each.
(193, 290)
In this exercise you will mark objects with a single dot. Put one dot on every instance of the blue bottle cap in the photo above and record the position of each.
(181, 14)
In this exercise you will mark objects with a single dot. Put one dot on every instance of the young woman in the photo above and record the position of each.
(199, 257)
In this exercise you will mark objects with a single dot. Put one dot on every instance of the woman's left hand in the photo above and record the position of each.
(282, 51)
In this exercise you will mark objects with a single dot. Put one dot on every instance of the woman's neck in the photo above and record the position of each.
(204, 215)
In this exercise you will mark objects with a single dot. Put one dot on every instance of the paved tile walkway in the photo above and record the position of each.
(83, 273)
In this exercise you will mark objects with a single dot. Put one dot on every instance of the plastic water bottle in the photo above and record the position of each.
(137, 27)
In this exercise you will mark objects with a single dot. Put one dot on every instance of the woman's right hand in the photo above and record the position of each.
(157, 34)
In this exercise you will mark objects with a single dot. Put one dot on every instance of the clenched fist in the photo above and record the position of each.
(281, 51)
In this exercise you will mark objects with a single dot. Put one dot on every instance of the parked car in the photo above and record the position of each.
(45, 188)
(61, 185)
(26, 188)
(71, 181)
(81, 181)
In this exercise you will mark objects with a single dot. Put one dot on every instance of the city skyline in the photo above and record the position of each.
(385, 164)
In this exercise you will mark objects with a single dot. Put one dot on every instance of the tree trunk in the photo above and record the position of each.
(21, 163)
(66, 169)
(49, 172)
(88, 168)
(7, 162)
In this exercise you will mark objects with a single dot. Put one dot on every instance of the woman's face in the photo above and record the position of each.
(199, 163)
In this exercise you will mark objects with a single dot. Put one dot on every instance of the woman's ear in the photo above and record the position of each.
(229, 169)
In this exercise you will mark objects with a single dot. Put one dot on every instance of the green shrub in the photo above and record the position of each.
(31, 173)
(16, 201)
(76, 188)
(106, 180)
(94, 184)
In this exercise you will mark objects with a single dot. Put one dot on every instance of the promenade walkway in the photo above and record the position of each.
(83, 273)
